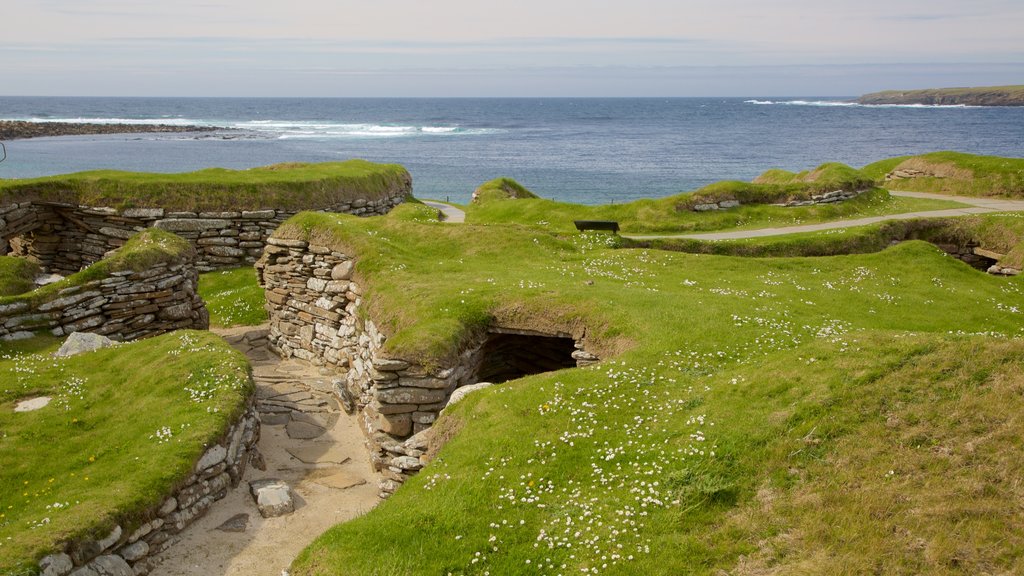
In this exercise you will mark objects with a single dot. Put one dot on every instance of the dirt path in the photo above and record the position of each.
(330, 475)
(974, 206)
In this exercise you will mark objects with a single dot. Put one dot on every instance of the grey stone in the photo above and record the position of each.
(169, 505)
(237, 523)
(143, 213)
(80, 342)
(728, 203)
(389, 365)
(287, 243)
(342, 271)
(111, 538)
(407, 463)
(110, 565)
(190, 224)
(134, 552)
(275, 418)
(212, 457)
(462, 392)
(705, 207)
(56, 565)
(410, 396)
(303, 430)
(117, 232)
(272, 496)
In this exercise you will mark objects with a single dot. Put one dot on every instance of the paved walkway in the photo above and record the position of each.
(449, 213)
(974, 206)
(307, 441)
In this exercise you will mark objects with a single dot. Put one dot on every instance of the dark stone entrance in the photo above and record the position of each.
(506, 356)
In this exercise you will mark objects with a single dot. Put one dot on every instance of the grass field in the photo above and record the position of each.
(16, 275)
(293, 186)
(233, 297)
(123, 426)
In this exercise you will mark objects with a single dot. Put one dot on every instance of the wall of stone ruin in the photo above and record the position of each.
(823, 198)
(64, 238)
(126, 305)
(122, 552)
(314, 303)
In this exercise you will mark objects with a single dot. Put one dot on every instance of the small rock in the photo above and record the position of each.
(32, 404)
(212, 457)
(272, 496)
(237, 523)
(79, 342)
(56, 565)
(274, 418)
(135, 551)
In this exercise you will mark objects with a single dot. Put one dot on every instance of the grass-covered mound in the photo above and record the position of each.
(675, 214)
(952, 173)
(233, 297)
(16, 275)
(740, 399)
(501, 189)
(1002, 233)
(141, 252)
(974, 96)
(292, 186)
(124, 425)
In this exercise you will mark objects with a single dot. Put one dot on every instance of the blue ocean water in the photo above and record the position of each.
(579, 150)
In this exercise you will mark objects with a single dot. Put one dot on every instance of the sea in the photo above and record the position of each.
(582, 150)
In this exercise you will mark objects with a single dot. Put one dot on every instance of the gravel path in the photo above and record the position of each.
(449, 213)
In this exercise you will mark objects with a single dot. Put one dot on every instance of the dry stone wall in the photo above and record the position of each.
(823, 198)
(314, 306)
(130, 553)
(64, 238)
(126, 305)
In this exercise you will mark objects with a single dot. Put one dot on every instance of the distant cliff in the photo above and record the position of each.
(986, 96)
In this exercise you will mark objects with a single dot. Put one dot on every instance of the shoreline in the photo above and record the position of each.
(22, 129)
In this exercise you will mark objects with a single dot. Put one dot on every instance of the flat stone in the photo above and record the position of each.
(342, 271)
(272, 496)
(32, 404)
(237, 523)
(212, 457)
(134, 551)
(318, 453)
(275, 418)
(190, 224)
(303, 430)
(341, 480)
(143, 213)
(462, 392)
(79, 342)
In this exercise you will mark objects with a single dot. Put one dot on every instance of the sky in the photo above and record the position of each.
(414, 48)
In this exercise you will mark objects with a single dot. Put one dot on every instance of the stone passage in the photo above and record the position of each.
(314, 306)
(507, 355)
(64, 238)
(125, 305)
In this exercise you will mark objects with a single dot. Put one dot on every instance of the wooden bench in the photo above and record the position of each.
(607, 225)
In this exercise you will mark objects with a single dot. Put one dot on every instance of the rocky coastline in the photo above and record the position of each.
(987, 96)
(21, 129)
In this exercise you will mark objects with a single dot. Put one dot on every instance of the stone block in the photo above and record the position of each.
(273, 497)
(402, 395)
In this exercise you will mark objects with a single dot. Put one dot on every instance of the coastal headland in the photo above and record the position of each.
(21, 129)
(980, 96)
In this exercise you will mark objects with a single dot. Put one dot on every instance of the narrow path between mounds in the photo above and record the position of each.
(307, 442)
(449, 213)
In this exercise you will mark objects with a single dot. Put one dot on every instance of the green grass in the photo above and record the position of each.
(954, 173)
(142, 251)
(293, 186)
(973, 95)
(664, 215)
(16, 275)
(233, 297)
(92, 458)
(501, 189)
(741, 401)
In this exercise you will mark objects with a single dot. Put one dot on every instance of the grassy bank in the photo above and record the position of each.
(123, 426)
(740, 399)
(233, 297)
(673, 214)
(16, 275)
(142, 251)
(293, 186)
(976, 96)
(953, 173)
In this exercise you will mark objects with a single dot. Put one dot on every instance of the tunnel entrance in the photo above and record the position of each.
(507, 356)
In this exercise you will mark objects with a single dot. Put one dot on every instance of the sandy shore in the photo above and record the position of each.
(19, 129)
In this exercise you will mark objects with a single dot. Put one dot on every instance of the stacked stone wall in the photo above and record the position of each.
(823, 198)
(125, 553)
(314, 307)
(126, 305)
(64, 238)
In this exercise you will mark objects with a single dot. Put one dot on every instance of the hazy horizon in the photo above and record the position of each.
(459, 48)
